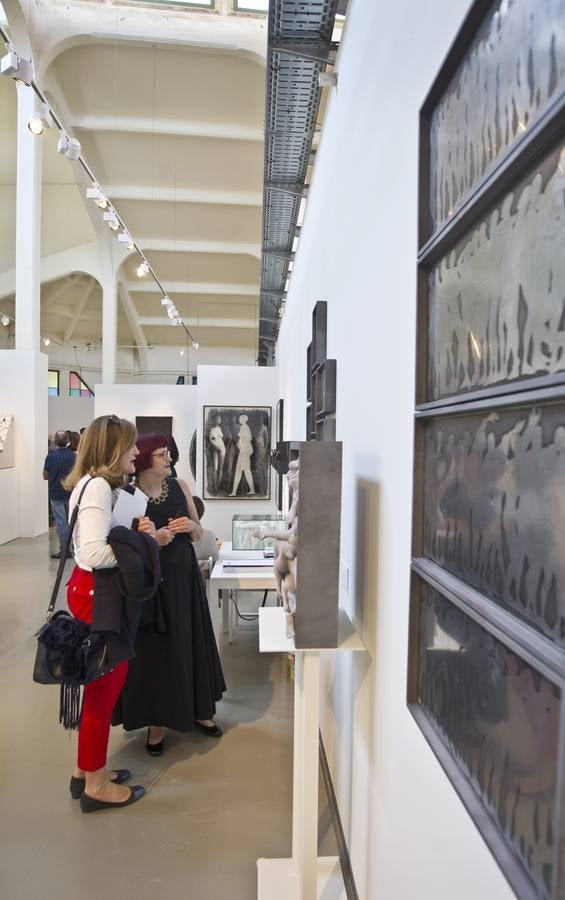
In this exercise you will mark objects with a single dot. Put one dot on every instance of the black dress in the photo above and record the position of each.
(176, 676)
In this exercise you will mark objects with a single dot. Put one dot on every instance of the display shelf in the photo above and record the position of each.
(304, 876)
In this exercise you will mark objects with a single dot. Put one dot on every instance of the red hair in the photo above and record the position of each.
(147, 444)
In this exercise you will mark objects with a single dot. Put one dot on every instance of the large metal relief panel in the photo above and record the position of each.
(494, 508)
(499, 717)
(513, 71)
(497, 300)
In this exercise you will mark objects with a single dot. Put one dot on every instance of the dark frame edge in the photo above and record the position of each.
(507, 862)
(343, 850)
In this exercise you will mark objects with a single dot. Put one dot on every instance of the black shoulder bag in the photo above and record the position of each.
(67, 654)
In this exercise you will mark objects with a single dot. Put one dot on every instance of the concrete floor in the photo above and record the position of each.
(212, 807)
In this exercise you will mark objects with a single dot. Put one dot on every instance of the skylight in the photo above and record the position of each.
(259, 6)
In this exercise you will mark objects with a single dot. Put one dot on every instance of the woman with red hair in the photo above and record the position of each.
(176, 677)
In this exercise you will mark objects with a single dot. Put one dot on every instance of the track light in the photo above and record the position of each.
(125, 238)
(46, 341)
(111, 218)
(40, 120)
(97, 194)
(21, 70)
(181, 353)
(166, 301)
(195, 345)
(177, 321)
(68, 146)
(5, 321)
(143, 269)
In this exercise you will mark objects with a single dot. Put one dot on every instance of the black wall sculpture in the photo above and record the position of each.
(321, 376)
(486, 669)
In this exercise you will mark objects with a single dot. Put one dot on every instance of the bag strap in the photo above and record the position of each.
(65, 550)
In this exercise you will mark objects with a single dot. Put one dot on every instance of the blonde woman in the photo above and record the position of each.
(106, 455)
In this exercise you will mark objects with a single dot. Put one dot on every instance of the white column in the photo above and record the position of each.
(109, 324)
(28, 226)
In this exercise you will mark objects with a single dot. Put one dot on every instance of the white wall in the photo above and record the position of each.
(23, 392)
(408, 833)
(131, 400)
(69, 413)
(233, 386)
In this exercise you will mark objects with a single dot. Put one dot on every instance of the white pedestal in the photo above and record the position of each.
(277, 879)
(305, 876)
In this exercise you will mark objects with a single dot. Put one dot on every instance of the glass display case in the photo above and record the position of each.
(243, 527)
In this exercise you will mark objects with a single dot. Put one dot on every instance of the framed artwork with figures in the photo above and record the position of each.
(236, 448)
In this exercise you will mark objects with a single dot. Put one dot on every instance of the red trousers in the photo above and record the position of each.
(100, 696)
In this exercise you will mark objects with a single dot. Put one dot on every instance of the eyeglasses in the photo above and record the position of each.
(164, 454)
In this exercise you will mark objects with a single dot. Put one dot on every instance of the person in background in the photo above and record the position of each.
(174, 451)
(58, 464)
(206, 546)
(74, 438)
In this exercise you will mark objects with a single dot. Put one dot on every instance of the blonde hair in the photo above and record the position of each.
(100, 451)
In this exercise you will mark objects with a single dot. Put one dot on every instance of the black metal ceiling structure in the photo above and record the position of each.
(299, 48)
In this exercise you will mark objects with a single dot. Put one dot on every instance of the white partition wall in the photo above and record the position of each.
(233, 386)
(408, 832)
(177, 400)
(23, 392)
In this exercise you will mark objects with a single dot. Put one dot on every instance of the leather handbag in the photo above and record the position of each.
(67, 653)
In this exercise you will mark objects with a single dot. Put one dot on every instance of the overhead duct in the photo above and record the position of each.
(299, 48)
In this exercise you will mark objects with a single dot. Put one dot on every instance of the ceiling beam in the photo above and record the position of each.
(193, 322)
(220, 131)
(134, 323)
(183, 195)
(59, 291)
(79, 311)
(193, 287)
(149, 244)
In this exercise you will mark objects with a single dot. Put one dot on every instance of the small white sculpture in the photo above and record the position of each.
(286, 549)
(6, 441)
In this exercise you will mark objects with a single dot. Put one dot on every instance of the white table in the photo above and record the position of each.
(244, 579)
(305, 876)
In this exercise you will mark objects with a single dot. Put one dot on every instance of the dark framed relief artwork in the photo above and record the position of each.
(237, 449)
(486, 667)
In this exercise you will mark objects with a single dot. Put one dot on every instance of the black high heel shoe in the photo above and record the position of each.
(90, 804)
(154, 749)
(77, 785)
(211, 730)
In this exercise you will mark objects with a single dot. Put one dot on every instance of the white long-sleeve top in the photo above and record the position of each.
(91, 550)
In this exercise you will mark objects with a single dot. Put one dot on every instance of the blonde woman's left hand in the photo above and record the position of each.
(146, 526)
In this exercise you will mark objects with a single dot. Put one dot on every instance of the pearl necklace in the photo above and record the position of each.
(162, 496)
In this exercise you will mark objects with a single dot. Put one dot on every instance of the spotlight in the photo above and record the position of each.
(195, 345)
(166, 301)
(46, 341)
(143, 269)
(177, 321)
(181, 353)
(5, 321)
(68, 146)
(97, 194)
(125, 238)
(21, 70)
(40, 120)
(111, 218)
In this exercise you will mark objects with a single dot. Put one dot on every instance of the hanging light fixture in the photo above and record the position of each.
(21, 70)
(46, 341)
(40, 120)
(195, 345)
(5, 321)
(68, 146)
(97, 194)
